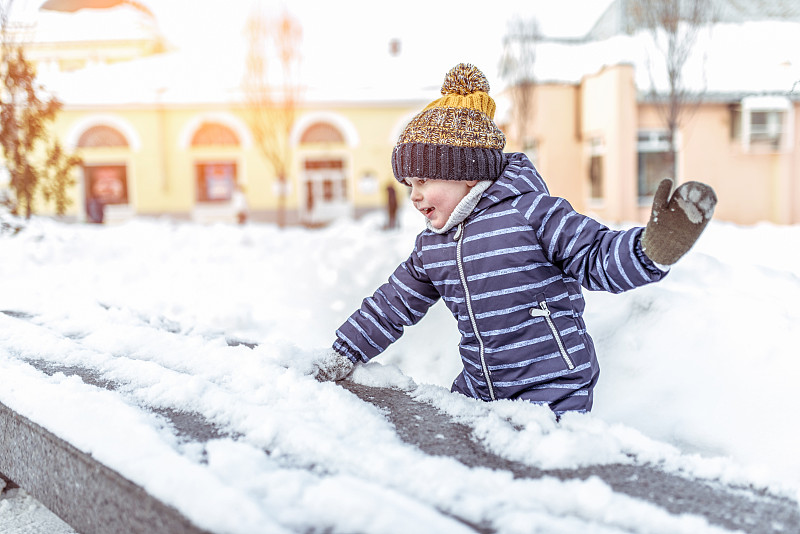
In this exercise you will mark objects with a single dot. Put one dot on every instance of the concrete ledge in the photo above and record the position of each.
(93, 498)
(87, 495)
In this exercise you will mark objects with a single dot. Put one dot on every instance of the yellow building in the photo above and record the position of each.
(186, 161)
(165, 132)
(601, 142)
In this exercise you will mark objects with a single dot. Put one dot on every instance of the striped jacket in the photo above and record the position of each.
(511, 274)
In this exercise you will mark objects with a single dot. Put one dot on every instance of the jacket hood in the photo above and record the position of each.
(519, 176)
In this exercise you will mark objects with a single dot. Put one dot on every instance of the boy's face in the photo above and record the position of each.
(436, 199)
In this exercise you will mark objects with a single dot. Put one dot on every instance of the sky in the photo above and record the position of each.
(434, 26)
(439, 34)
(699, 373)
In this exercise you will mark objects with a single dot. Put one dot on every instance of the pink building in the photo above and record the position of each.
(599, 139)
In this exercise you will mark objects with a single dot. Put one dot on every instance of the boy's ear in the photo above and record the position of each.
(471, 183)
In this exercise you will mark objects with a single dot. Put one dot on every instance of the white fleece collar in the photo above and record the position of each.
(464, 208)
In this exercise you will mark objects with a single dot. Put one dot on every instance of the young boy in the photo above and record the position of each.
(508, 258)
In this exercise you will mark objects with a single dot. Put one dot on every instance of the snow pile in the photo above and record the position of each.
(21, 514)
(698, 373)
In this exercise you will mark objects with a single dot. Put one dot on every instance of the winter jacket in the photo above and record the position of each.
(511, 274)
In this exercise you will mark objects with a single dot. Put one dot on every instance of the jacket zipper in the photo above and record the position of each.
(544, 311)
(486, 373)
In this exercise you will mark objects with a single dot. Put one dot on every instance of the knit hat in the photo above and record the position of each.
(454, 137)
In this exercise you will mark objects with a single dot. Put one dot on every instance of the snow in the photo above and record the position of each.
(699, 374)
(696, 201)
(21, 514)
(123, 23)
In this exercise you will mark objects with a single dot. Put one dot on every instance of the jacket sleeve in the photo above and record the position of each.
(379, 322)
(599, 258)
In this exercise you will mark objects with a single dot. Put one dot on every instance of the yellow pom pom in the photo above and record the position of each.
(464, 79)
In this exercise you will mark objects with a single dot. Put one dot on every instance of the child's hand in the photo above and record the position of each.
(676, 222)
(332, 367)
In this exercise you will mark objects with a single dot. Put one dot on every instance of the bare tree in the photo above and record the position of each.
(25, 113)
(517, 69)
(674, 26)
(273, 97)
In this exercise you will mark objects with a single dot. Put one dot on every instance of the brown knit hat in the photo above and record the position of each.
(454, 137)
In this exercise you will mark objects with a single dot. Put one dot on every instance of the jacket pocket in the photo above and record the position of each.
(540, 309)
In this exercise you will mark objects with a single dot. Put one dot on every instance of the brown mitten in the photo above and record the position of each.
(676, 222)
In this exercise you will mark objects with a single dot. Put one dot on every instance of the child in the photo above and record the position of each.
(508, 258)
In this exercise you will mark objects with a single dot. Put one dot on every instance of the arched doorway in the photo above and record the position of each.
(323, 174)
(106, 188)
(216, 153)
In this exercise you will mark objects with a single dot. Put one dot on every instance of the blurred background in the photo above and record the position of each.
(287, 112)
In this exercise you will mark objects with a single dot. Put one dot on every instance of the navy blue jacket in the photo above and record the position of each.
(511, 273)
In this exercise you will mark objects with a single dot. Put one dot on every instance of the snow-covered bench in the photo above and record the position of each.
(86, 494)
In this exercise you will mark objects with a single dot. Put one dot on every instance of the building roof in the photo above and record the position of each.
(752, 47)
(212, 77)
(619, 17)
(747, 58)
(126, 22)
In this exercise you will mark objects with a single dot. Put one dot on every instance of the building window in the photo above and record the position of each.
(327, 190)
(215, 181)
(107, 183)
(214, 134)
(102, 136)
(596, 154)
(762, 123)
(330, 173)
(654, 161)
(766, 127)
(322, 132)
